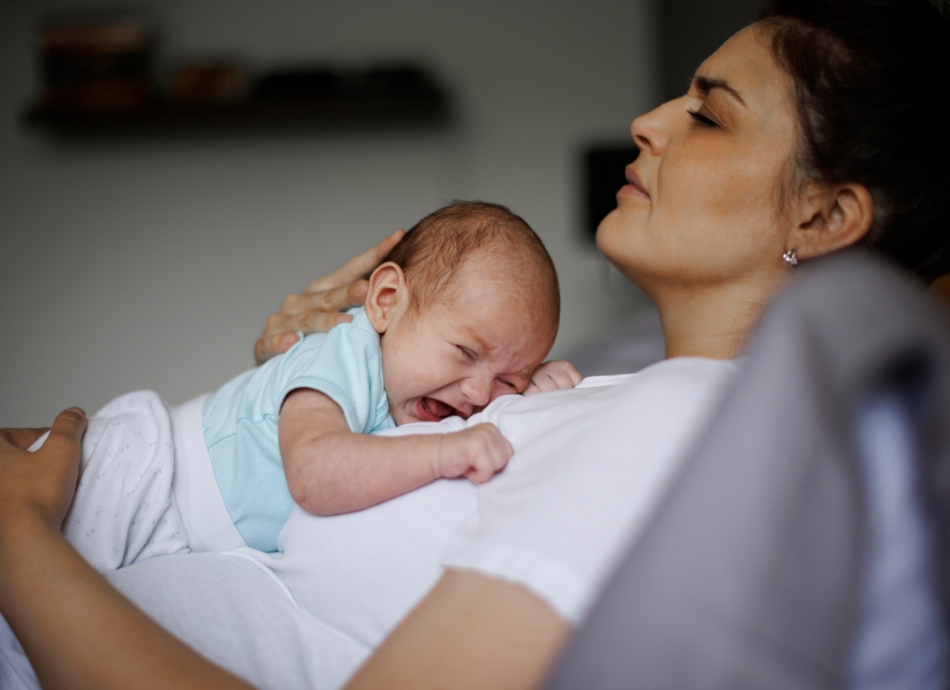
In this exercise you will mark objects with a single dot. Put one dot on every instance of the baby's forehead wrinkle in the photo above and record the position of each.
(489, 348)
(484, 344)
(509, 355)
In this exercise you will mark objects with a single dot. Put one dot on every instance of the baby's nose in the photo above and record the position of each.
(477, 389)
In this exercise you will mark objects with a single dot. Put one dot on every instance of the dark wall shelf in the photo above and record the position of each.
(99, 81)
(161, 118)
(397, 97)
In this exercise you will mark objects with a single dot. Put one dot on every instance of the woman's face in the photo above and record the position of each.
(703, 203)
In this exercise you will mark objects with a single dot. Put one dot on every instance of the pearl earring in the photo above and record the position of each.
(791, 256)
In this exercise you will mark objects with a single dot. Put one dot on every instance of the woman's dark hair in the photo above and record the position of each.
(870, 78)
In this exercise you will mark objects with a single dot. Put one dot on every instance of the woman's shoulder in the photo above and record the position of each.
(692, 367)
(589, 465)
(668, 379)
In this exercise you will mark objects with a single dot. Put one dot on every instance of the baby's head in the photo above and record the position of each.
(467, 305)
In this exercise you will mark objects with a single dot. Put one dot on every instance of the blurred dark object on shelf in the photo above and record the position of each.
(94, 66)
(298, 84)
(397, 94)
(214, 98)
(207, 82)
(604, 168)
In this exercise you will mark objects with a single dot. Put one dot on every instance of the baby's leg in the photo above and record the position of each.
(124, 509)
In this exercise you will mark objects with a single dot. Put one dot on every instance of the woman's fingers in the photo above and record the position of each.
(281, 333)
(359, 266)
(22, 438)
(317, 309)
(65, 436)
(316, 312)
(59, 464)
(43, 482)
(334, 299)
(268, 346)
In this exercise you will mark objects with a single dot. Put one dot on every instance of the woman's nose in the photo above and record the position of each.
(651, 131)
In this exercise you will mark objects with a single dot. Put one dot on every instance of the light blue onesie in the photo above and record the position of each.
(240, 420)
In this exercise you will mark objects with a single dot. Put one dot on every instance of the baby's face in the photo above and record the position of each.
(460, 353)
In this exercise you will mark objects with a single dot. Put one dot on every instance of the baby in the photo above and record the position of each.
(463, 311)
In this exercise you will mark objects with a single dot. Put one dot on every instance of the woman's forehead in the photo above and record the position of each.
(744, 71)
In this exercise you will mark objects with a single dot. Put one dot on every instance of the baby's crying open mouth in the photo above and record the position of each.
(433, 410)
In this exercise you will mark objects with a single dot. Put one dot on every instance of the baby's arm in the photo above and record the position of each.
(331, 469)
(552, 376)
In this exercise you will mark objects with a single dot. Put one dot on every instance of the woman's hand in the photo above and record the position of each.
(551, 376)
(40, 485)
(317, 309)
(76, 630)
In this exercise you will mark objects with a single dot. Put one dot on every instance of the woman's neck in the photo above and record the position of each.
(711, 321)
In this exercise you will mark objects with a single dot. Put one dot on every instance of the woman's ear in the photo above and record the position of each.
(831, 218)
(386, 296)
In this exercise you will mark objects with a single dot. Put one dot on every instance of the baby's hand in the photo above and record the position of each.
(477, 453)
(551, 376)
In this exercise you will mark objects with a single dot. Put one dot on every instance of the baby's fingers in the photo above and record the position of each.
(482, 470)
(564, 375)
(492, 456)
(498, 448)
(552, 376)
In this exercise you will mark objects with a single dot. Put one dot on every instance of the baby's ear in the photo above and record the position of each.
(386, 296)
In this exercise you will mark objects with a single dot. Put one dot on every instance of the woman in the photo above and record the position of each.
(816, 129)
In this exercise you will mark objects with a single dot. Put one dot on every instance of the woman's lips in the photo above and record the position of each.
(432, 410)
(635, 188)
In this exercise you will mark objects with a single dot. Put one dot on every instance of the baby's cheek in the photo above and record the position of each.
(399, 414)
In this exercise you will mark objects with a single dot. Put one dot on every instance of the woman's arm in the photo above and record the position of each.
(317, 309)
(332, 470)
(471, 631)
(77, 631)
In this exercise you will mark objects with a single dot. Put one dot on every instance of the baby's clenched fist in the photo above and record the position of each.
(476, 453)
(551, 376)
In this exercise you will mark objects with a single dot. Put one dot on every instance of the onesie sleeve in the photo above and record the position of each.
(347, 366)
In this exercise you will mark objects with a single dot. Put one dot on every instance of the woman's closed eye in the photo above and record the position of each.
(702, 119)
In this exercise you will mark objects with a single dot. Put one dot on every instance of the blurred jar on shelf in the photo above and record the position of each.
(95, 66)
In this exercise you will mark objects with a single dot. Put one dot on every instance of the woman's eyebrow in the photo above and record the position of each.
(707, 84)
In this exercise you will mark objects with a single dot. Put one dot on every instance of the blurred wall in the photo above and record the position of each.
(690, 31)
(154, 264)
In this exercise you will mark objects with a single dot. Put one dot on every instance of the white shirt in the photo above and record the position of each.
(589, 465)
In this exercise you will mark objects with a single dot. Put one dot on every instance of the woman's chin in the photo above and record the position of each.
(614, 235)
